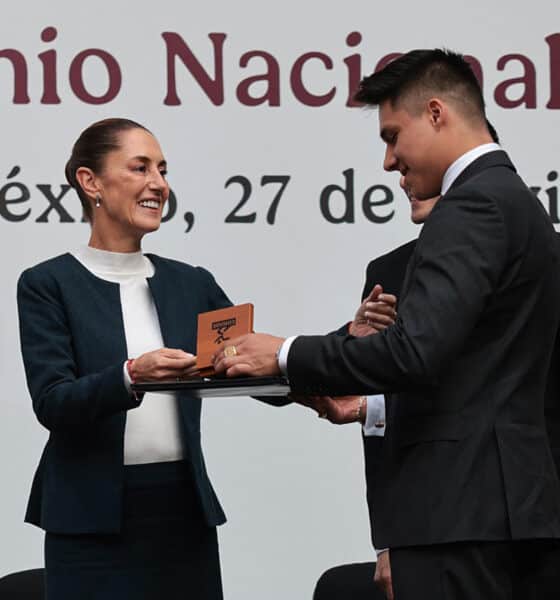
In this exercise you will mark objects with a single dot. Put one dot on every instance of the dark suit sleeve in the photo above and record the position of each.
(458, 262)
(61, 399)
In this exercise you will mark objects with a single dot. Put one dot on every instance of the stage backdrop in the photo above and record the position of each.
(278, 189)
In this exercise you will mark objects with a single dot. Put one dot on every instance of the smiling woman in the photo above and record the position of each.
(121, 489)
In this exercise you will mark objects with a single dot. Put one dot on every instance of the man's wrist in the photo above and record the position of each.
(361, 410)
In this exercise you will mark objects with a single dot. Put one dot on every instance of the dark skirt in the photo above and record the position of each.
(165, 550)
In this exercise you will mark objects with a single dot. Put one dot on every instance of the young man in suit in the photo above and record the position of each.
(469, 501)
(389, 271)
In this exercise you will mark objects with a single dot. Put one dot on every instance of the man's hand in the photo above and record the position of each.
(339, 410)
(254, 354)
(383, 577)
(375, 313)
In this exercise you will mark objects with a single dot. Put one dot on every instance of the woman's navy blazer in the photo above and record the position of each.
(74, 348)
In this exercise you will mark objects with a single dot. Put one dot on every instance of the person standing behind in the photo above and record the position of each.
(121, 489)
(373, 315)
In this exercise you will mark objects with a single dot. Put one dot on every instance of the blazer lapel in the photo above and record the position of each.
(174, 306)
(496, 158)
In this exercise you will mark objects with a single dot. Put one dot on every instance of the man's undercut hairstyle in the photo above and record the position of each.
(419, 75)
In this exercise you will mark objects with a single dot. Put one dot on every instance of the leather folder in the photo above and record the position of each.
(204, 387)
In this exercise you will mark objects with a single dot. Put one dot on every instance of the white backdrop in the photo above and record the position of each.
(292, 485)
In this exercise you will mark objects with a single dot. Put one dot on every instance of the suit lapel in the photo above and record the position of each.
(496, 158)
(175, 308)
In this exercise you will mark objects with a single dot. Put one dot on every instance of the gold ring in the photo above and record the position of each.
(230, 351)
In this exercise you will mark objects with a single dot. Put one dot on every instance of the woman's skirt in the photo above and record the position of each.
(165, 550)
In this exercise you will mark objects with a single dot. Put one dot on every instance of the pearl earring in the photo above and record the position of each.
(97, 200)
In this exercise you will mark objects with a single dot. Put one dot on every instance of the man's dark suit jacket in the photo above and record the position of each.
(466, 455)
(389, 270)
(74, 348)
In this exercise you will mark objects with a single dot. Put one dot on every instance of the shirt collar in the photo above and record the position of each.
(103, 262)
(456, 168)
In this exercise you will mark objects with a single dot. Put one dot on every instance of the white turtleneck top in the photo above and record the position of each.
(152, 432)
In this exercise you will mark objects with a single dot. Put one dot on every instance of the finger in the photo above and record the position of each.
(388, 587)
(175, 353)
(376, 320)
(322, 405)
(239, 370)
(379, 307)
(374, 294)
(176, 364)
(223, 363)
(373, 318)
(238, 342)
(191, 371)
(186, 362)
(218, 363)
(313, 402)
(388, 299)
(303, 400)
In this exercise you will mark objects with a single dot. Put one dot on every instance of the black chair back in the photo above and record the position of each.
(25, 585)
(353, 581)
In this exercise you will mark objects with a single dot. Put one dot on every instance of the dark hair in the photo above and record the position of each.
(492, 131)
(419, 73)
(90, 150)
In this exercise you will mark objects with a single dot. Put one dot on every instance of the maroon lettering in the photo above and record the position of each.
(528, 80)
(553, 42)
(48, 58)
(476, 67)
(354, 65)
(383, 62)
(77, 79)
(271, 78)
(213, 87)
(20, 75)
(298, 87)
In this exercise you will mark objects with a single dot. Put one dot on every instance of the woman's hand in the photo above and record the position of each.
(162, 364)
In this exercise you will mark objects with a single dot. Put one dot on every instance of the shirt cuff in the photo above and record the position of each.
(283, 354)
(375, 416)
(127, 380)
(378, 552)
